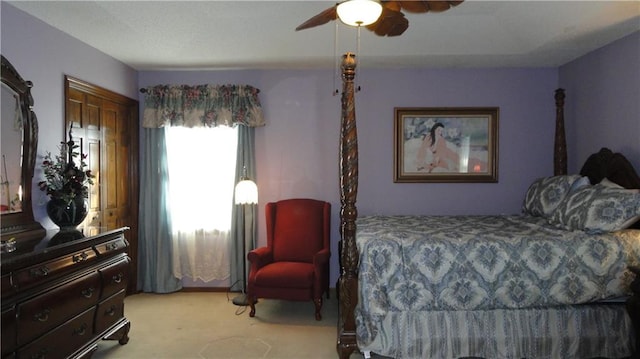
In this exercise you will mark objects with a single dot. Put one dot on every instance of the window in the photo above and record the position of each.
(202, 164)
(201, 167)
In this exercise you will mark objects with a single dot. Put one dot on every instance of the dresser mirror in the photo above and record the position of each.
(18, 147)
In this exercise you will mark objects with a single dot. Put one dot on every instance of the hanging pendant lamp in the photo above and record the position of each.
(359, 12)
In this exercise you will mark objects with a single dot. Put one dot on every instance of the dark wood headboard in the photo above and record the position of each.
(614, 167)
(610, 165)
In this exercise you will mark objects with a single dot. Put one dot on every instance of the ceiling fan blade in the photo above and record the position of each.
(391, 5)
(390, 23)
(426, 6)
(320, 19)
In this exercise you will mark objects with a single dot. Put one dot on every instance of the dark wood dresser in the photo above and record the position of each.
(62, 293)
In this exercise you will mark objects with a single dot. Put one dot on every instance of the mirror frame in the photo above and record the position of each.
(24, 220)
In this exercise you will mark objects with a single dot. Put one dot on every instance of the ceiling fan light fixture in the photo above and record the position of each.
(359, 12)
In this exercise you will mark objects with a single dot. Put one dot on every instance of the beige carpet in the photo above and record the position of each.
(207, 325)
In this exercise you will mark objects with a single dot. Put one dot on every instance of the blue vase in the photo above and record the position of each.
(67, 214)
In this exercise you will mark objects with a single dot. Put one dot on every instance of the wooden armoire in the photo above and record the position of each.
(105, 126)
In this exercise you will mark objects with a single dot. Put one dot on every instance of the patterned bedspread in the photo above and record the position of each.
(491, 286)
(487, 262)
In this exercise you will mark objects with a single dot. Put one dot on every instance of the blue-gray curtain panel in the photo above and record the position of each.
(243, 218)
(155, 256)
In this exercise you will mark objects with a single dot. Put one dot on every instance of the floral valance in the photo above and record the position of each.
(202, 106)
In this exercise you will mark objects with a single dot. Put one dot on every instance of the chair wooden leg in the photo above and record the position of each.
(252, 303)
(318, 304)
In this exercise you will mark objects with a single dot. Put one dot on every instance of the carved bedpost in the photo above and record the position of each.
(348, 281)
(560, 144)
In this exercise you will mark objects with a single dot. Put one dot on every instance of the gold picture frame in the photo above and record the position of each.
(445, 144)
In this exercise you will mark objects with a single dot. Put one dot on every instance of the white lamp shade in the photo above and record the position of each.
(359, 12)
(246, 192)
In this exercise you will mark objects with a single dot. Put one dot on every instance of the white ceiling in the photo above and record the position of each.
(170, 35)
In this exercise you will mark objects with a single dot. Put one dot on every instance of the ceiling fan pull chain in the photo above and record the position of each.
(357, 81)
(336, 61)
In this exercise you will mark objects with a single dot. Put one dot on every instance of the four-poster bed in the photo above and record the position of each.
(469, 288)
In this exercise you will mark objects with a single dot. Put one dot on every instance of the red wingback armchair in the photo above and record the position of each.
(295, 263)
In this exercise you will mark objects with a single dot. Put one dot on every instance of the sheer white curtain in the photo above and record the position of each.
(201, 167)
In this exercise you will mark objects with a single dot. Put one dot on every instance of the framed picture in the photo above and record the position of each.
(446, 144)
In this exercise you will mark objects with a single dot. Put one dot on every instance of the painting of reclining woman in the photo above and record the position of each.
(450, 144)
(453, 153)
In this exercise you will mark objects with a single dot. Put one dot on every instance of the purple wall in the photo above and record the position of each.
(297, 151)
(44, 55)
(603, 101)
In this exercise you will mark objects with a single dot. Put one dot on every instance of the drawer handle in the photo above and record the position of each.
(87, 293)
(40, 355)
(39, 272)
(117, 278)
(77, 258)
(80, 331)
(111, 311)
(43, 316)
(112, 246)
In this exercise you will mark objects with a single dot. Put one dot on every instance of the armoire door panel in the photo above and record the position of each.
(75, 105)
(111, 176)
(111, 145)
(116, 143)
(95, 202)
(94, 111)
(123, 149)
(107, 123)
(93, 162)
(83, 121)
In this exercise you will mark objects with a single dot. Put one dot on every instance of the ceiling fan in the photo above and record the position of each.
(391, 21)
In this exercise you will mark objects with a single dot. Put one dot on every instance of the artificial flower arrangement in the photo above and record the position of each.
(64, 178)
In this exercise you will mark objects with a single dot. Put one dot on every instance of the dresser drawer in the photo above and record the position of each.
(112, 246)
(110, 311)
(115, 277)
(44, 312)
(64, 340)
(8, 339)
(41, 273)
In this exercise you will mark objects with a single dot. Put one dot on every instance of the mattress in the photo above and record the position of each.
(487, 262)
(492, 287)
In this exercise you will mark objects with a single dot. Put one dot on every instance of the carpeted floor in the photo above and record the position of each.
(207, 325)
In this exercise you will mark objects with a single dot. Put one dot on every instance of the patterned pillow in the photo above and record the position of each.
(545, 194)
(598, 209)
(608, 183)
(579, 183)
